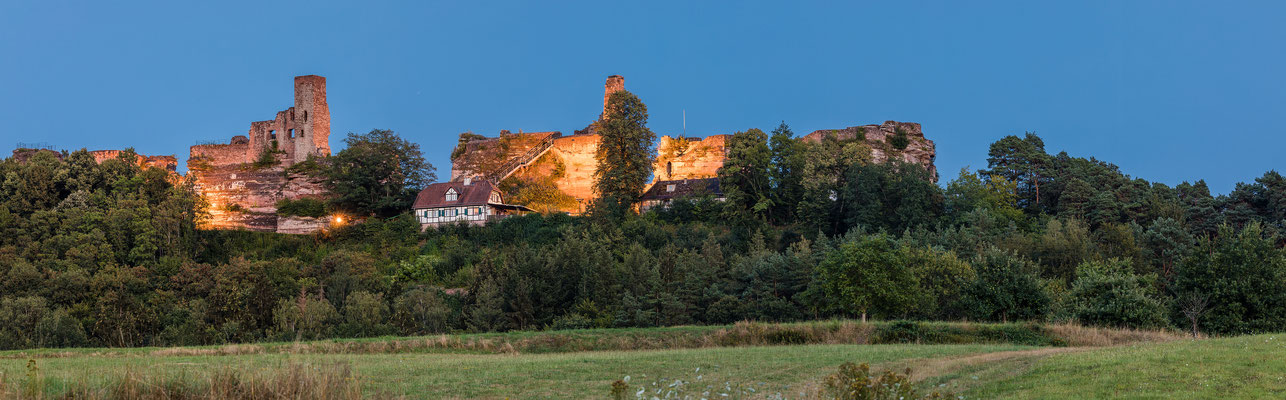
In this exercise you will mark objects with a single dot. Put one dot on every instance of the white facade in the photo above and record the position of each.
(476, 215)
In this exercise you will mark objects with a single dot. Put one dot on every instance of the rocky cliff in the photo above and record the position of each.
(883, 138)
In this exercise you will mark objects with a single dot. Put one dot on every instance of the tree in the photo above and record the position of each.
(871, 275)
(939, 276)
(421, 310)
(365, 314)
(1006, 288)
(306, 317)
(892, 195)
(1022, 160)
(379, 173)
(1242, 273)
(787, 166)
(624, 156)
(1168, 244)
(1108, 293)
(744, 177)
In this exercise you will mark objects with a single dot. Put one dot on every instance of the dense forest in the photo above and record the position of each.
(109, 254)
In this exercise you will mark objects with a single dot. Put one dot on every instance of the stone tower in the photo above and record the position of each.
(615, 83)
(299, 130)
(312, 117)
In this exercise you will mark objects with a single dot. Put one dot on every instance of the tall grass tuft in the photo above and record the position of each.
(293, 381)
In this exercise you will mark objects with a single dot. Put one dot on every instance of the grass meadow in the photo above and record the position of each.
(747, 360)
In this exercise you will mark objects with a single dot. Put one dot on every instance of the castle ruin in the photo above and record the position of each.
(567, 163)
(244, 179)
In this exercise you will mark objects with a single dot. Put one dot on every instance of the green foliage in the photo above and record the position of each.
(893, 196)
(304, 207)
(899, 140)
(869, 275)
(378, 173)
(267, 157)
(365, 314)
(745, 175)
(785, 173)
(1024, 161)
(305, 318)
(1108, 293)
(855, 382)
(624, 156)
(420, 311)
(1241, 273)
(1006, 288)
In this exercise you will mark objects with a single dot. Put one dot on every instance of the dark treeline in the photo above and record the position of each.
(109, 254)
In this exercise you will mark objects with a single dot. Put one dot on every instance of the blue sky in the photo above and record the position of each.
(1168, 90)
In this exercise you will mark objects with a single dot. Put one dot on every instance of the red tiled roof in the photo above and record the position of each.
(476, 194)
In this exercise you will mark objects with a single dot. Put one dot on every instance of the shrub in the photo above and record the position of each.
(899, 140)
(305, 207)
(1006, 288)
(572, 321)
(421, 310)
(1110, 294)
(59, 329)
(304, 318)
(365, 314)
(854, 382)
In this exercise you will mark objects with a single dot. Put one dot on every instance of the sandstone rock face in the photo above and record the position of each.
(168, 163)
(242, 195)
(689, 158)
(301, 225)
(919, 150)
(577, 154)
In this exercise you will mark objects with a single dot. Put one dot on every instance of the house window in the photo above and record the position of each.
(477, 211)
(669, 188)
(466, 212)
(452, 195)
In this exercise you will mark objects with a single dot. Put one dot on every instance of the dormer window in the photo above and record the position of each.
(669, 188)
(452, 195)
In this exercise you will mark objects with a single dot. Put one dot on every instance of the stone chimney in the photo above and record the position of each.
(614, 84)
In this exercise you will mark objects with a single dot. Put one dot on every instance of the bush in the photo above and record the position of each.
(572, 321)
(365, 315)
(854, 382)
(1110, 294)
(305, 207)
(59, 329)
(1006, 288)
(421, 310)
(304, 318)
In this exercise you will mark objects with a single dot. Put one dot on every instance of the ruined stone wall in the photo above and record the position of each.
(242, 195)
(482, 157)
(297, 131)
(219, 154)
(689, 158)
(577, 154)
(919, 150)
(168, 163)
(615, 83)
